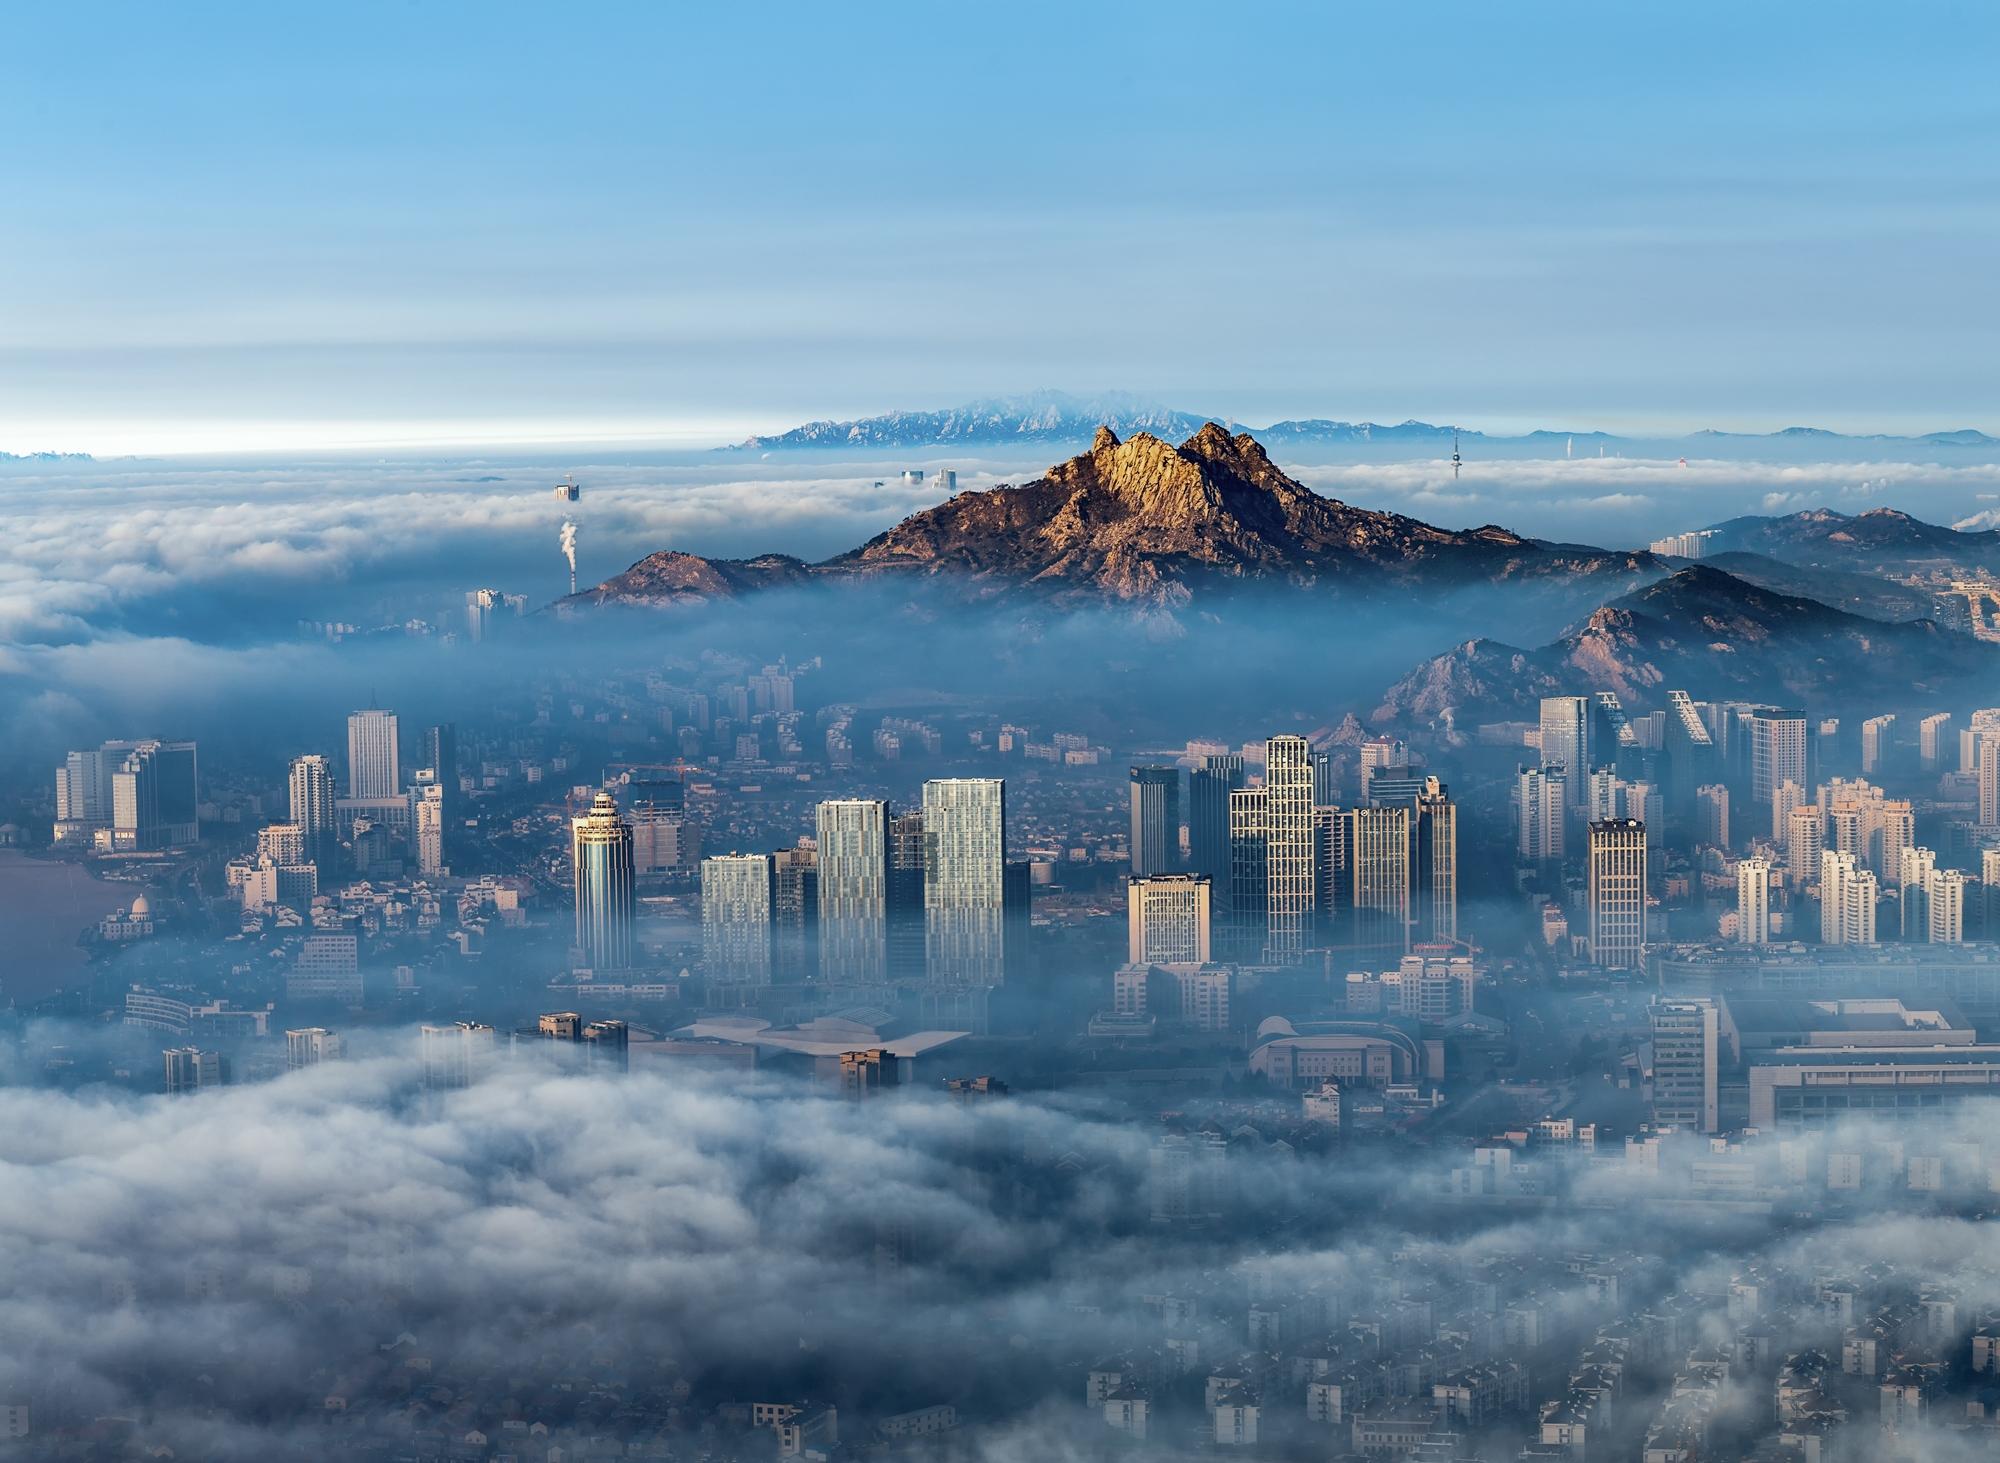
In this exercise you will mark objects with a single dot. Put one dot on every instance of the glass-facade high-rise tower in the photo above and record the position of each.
(1566, 725)
(1156, 820)
(965, 881)
(601, 852)
(1209, 787)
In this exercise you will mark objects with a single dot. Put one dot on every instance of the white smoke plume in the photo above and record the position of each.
(568, 542)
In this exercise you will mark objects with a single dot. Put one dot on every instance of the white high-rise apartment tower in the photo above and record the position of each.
(1753, 901)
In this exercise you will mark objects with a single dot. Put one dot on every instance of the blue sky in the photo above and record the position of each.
(263, 226)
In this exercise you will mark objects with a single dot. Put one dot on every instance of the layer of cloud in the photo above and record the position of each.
(216, 1265)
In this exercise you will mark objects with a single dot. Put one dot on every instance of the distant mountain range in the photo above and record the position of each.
(46, 457)
(1143, 522)
(1880, 541)
(1056, 417)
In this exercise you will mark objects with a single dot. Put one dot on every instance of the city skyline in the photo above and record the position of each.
(912, 735)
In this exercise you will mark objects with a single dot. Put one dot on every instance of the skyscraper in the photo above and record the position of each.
(455, 1055)
(190, 1069)
(738, 897)
(374, 766)
(1288, 858)
(1156, 820)
(1249, 884)
(906, 897)
(1167, 920)
(1877, 740)
(1934, 741)
(601, 855)
(664, 841)
(1847, 896)
(1989, 781)
(1686, 1056)
(1711, 803)
(1913, 873)
(1209, 787)
(441, 756)
(427, 825)
(795, 914)
(1753, 901)
(853, 838)
(1777, 743)
(128, 796)
(308, 1046)
(1540, 811)
(1379, 867)
(965, 881)
(1618, 893)
(1435, 865)
(1805, 839)
(1946, 901)
(313, 807)
(1566, 728)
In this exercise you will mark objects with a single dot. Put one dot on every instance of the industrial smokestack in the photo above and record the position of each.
(568, 541)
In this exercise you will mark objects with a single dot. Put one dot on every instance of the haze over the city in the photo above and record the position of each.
(1036, 734)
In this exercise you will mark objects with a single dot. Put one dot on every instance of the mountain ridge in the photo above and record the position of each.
(1702, 630)
(1055, 416)
(1141, 521)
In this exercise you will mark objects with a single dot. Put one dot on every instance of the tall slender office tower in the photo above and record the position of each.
(965, 881)
(313, 806)
(1436, 865)
(795, 914)
(1156, 820)
(1753, 901)
(601, 854)
(1209, 787)
(374, 767)
(1566, 725)
(1249, 883)
(441, 756)
(906, 897)
(738, 899)
(1618, 893)
(853, 838)
(1379, 845)
(1288, 856)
